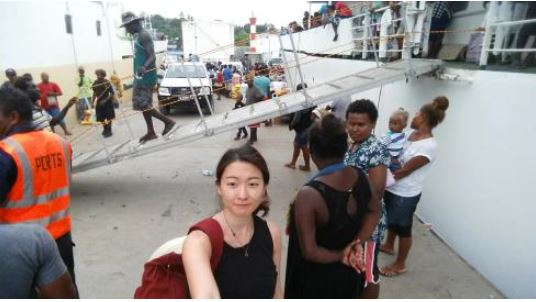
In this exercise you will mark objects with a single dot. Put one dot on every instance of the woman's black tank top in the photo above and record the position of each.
(250, 275)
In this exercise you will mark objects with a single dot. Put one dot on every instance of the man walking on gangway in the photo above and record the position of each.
(144, 76)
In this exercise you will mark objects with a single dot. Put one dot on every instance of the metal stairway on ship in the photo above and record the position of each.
(231, 120)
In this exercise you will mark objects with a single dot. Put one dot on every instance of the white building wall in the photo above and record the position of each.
(37, 35)
(30, 39)
(89, 47)
(267, 44)
(210, 40)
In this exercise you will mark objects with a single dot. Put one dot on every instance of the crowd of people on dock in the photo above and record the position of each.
(101, 95)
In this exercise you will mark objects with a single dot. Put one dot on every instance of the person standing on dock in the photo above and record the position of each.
(103, 95)
(144, 76)
(84, 84)
(401, 200)
(370, 155)
(11, 76)
(50, 92)
(253, 95)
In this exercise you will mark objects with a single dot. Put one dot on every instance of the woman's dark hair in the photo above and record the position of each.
(14, 99)
(328, 138)
(363, 106)
(250, 155)
(434, 112)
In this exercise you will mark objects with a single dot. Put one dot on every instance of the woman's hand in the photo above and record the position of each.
(412, 165)
(354, 256)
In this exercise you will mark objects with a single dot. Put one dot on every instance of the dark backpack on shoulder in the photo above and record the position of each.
(164, 277)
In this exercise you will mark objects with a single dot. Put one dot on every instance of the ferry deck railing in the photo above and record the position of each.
(363, 26)
(491, 26)
(363, 31)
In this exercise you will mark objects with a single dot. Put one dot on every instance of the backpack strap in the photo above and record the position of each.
(214, 232)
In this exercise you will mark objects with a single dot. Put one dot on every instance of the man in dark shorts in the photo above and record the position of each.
(144, 76)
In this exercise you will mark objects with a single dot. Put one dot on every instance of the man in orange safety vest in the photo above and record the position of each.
(35, 173)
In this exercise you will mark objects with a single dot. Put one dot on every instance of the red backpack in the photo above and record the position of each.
(164, 277)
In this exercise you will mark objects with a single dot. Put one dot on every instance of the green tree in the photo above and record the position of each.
(241, 36)
(261, 28)
(241, 33)
(171, 27)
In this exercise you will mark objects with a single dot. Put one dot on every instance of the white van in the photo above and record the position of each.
(174, 90)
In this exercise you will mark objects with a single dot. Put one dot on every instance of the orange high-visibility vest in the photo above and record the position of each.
(40, 194)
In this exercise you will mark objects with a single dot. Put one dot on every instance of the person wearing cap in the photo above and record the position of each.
(11, 76)
(144, 76)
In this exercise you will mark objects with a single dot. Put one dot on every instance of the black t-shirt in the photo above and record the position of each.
(302, 120)
(248, 272)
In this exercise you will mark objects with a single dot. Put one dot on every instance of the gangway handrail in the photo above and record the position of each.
(513, 23)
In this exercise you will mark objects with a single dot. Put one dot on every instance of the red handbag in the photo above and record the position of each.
(164, 277)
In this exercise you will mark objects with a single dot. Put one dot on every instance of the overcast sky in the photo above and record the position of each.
(277, 12)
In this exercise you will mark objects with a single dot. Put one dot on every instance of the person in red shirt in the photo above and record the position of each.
(49, 99)
(343, 10)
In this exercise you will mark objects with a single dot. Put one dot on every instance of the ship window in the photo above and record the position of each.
(98, 28)
(68, 24)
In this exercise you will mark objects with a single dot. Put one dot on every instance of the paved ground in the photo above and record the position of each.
(121, 213)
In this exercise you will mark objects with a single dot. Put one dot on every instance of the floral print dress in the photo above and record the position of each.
(369, 154)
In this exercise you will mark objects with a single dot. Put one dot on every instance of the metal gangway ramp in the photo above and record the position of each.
(258, 112)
